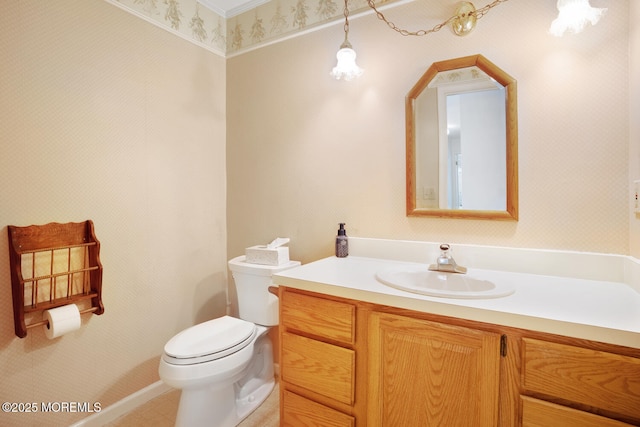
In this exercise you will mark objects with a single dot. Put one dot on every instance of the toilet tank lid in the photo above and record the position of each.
(239, 265)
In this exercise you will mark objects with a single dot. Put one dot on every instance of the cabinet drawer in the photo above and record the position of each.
(320, 367)
(594, 378)
(538, 413)
(301, 412)
(317, 316)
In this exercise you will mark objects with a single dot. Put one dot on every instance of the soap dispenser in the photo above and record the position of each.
(342, 242)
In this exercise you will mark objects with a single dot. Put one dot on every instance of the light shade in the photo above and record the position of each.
(346, 69)
(573, 15)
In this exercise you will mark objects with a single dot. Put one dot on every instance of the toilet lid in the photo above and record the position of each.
(210, 340)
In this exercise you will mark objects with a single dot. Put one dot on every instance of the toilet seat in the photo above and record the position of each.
(209, 341)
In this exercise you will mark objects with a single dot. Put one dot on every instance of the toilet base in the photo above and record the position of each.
(227, 405)
(197, 407)
(244, 407)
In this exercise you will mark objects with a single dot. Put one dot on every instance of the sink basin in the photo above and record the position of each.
(420, 280)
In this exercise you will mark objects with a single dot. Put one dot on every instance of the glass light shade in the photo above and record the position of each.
(573, 15)
(347, 68)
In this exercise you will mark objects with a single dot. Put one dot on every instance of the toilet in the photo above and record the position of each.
(224, 366)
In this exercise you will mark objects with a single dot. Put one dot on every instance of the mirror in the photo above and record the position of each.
(462, 141)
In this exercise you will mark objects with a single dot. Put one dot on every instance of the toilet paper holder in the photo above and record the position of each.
(53, 265)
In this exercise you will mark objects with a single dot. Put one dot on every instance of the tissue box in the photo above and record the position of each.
(267, 256)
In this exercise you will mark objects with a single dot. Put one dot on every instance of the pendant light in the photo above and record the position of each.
(346, 69)
(573, 15)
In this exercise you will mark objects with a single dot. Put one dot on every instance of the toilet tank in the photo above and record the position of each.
(255, 303)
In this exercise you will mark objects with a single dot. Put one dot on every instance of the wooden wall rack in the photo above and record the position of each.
(53, 265)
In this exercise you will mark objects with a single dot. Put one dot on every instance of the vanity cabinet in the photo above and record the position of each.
(348, 363)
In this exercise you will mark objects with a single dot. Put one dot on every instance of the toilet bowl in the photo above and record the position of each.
(224, 366)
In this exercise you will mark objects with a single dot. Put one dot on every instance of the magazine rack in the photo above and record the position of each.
(53, 265)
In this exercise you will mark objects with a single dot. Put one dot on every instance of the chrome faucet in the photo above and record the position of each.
(446, 263)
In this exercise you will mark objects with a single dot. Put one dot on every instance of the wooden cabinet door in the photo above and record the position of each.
(423, 373)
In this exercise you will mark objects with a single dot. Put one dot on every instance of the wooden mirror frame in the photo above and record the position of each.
(511, 110)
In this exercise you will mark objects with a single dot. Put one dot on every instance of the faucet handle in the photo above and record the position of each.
(446, 263)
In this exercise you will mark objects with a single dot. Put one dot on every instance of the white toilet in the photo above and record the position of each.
(225, 366)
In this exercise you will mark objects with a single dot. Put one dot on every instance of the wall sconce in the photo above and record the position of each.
(346, 68)
(573, 15)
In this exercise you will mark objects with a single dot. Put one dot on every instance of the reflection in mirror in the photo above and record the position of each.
(462, 142)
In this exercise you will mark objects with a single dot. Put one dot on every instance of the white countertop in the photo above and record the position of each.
(598, 310)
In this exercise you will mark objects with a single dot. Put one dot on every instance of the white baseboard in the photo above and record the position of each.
(124, 406)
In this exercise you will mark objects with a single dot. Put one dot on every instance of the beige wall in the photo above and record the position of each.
(305, 152)
(109, 118)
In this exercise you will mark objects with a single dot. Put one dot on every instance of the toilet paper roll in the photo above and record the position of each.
(61, 320)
